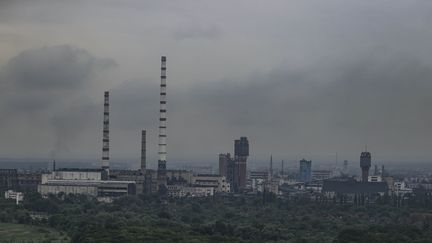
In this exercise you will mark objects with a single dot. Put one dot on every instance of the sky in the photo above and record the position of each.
(298, 78)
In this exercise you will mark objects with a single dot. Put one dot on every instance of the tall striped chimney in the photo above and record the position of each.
(105, 136)
(143, 152)
(161, 173)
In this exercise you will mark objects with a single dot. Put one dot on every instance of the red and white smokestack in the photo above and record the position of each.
(105, 136)
(161, 175)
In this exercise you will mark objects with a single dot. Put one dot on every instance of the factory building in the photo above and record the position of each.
(12, 179)
(179, 191)
(361, 192)
(86, 182)
(94, 188)
(258, 175)
(354, 191)
(73, 174)
(8, 179)
(179, 176)
(305, 173)
(148, 183)
(319, 175)
(219, 183)
(201, 185)
(29, 180)
(130, 175)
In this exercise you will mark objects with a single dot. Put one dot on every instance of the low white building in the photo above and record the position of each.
(258, 175)
(319, 175)
(219, 183)
(179, 191)
(288, 181)
(261, 185)
(258, 185)
(17, 196)
(85, 182)
(375, 178)
(90, 188)
(73, 174)
(401, 188)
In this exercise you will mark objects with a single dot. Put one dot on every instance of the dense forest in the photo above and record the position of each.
(230, 218)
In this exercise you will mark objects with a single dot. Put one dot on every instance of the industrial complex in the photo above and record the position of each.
(234, 176)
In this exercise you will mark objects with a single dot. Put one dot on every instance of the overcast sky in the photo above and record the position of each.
(298, 78)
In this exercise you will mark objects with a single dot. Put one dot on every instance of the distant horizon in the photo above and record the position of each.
(250, 163)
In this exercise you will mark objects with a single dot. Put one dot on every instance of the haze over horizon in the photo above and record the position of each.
(299, 79)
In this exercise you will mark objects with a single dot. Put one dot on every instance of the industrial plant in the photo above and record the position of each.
(234, 175)
(107, 183)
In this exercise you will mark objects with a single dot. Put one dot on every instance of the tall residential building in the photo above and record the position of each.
(365, 164)
(305, 173)
(241, 153)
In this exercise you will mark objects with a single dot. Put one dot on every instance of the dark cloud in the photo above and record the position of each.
(46, 85)
(382, 102)
(53, 68)
(299, 78)
(375, 100)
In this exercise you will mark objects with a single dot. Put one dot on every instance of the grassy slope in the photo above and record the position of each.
(23, 233)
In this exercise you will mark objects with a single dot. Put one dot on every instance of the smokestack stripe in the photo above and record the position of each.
(105, 133)
(161, 173)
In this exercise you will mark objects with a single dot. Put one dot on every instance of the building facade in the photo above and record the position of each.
(319, 175)
(94, 188)
(179, 191)
(224, 161)
(241, 153)
(365, 164)
(219, 183)
(84, 182)
(305, 173)
(17, 196)
(8, 179)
